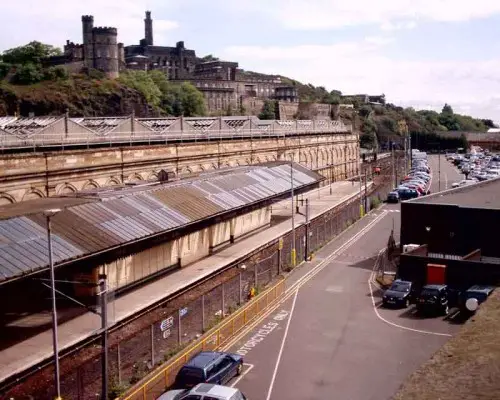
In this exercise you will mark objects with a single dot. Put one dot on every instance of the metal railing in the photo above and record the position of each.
(50, 137)
(153, 386)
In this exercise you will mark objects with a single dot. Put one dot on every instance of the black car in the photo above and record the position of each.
(474, 296)
(393, 197)
(209, 367)
(433, 299)
(398, 295)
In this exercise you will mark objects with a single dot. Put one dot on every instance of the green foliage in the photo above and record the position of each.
(268, 110)
(32, 53)
(144, 84)
(433, 141)
(192, 100)
(55, 73)
(96, 74)
(488, 123)
(4, 69)
(27, 74)
(209, 57)
(365, 111)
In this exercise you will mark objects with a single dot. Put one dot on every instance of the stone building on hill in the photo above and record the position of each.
(227, 88)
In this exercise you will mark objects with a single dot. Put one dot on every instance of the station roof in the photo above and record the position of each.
(480, 195)
(104, 219)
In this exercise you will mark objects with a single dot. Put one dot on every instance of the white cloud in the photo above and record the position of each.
(360, 67)
(326, 14)
(54, 21)
(393, 26)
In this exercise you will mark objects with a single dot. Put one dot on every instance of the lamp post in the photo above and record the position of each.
(293, 254)
(48, 214)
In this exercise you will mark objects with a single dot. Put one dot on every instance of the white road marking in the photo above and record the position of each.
(309, 275)
(282, 346)
(392, 323)
(446, 181)
(246, 371)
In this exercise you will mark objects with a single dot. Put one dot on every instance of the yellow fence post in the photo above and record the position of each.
(144, 393)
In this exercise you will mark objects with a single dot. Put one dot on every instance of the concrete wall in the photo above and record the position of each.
(35, 175)
(182, 251)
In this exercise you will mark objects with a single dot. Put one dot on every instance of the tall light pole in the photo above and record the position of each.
(48, 214)
(293, 254)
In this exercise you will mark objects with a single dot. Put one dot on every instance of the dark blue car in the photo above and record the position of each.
(209, 367)
(399, 294)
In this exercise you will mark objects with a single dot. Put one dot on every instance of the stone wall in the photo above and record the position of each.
(33, 175)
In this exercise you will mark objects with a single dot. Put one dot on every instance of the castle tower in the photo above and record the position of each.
(88, 40)
(148, 27)
(106, 51)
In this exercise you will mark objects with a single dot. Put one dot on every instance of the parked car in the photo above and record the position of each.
(209, 367)
(433, 299)
(393, 197)
(474, 296)
(399, 294)
(204, 391)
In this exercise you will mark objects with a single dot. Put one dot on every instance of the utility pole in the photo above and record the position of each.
(293, 253)
(366, 191)
(104, 335)
(306, 252)
(393, 166)
(361, 208)
(439, 167)
(48, 214)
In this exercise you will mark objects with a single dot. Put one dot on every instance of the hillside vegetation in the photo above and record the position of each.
(27, 86)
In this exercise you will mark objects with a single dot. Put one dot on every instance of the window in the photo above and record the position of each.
(192, 397)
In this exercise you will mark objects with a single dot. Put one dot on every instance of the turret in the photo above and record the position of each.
(148, 28)
(88, 53)
(106, 52)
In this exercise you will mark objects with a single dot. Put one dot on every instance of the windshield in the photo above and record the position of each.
(430, 293)
(400, 287)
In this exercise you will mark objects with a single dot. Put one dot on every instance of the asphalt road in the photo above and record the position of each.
(449, 173)
(330, 338)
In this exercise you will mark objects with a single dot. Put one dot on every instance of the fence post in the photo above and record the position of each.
(203, 313)
(118, 362)
(152, 345)
(179, 327)
(255, 274)
(223, 309)
(241, 288)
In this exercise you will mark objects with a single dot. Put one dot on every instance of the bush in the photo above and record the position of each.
(55, 73)
(4, 69)
(27, 74)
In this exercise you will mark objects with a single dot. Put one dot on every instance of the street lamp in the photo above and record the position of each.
(48, 214)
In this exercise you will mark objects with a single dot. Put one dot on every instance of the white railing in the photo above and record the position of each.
(61, 139)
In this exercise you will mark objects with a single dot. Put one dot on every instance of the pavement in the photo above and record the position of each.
(29, 352)
(329, 336)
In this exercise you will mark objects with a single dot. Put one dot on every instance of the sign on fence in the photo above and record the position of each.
(167, 324)
(183, 311)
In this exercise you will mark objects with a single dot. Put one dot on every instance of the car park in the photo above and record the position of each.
(399, 294)
(204, 391)
(433, 299)
(209, 367)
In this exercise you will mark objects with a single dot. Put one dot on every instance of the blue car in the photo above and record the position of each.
(209, 367)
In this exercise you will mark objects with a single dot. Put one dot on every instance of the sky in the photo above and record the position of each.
(419, 53)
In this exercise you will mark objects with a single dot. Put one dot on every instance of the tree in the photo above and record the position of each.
(268, 110)
(143, 83)
(447, 109)
(32, 53)
(489, 123)
(365, 111)
(209, 57)
(192, 100)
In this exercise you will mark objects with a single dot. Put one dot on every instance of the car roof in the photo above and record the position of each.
(213, 390)
(403, 282)
(481, 288)
(438, 287)
(203, 359)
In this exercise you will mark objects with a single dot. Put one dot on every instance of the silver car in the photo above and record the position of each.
(204, 391)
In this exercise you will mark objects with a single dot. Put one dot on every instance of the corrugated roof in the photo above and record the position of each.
(201, 124)
(105, 219)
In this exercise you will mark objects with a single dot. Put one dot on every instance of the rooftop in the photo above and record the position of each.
(480, 195)
(102, 220)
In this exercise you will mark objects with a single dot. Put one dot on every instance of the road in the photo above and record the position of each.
(329, 338)
(449, 173)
